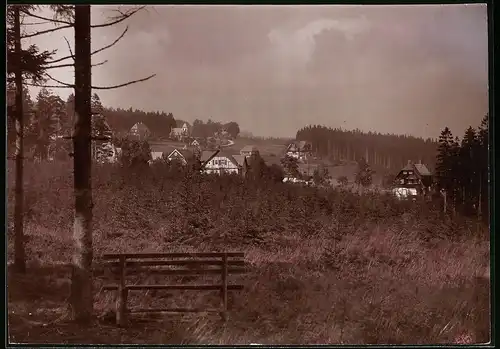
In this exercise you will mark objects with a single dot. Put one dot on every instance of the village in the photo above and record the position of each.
(220, 155)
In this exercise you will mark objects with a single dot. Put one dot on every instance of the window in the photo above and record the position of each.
(405, 172)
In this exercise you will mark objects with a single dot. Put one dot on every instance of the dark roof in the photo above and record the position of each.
(300, 145)
(249, 148)
(420, 168)
(423, 170)
(240, 159)
(206, 155)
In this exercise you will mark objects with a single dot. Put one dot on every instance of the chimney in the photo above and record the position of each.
(409, 162)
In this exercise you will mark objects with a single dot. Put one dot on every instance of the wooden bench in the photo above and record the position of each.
(171, 264)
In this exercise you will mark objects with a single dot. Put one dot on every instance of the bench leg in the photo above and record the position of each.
(121, 307)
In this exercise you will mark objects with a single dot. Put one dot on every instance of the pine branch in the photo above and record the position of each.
(25, 36)
(123, 16)
(53, 20)
(112, 44)
(69, 47)
(60, 82)
(46, 86)
(122, 85)
(94, 52)
(72, 65)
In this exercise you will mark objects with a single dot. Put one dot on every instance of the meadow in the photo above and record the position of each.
(326, 266)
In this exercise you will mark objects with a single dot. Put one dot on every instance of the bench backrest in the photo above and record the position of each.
(182, 264)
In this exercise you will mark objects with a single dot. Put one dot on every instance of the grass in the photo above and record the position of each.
(324, 267)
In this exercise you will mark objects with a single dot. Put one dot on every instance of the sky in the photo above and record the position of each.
(275, 69)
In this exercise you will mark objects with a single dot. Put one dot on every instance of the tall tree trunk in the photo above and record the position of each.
(19, 254)
(479, 201)
(81, 282)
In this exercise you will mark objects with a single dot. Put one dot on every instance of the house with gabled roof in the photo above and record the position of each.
(222, 162)
(181, 155)
(180, 133)
(300, 150)
(140, 131)
(412, 180)
(249, 150)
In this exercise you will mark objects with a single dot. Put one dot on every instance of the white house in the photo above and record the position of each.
(219, 162)
(182, 155)
(299, 150)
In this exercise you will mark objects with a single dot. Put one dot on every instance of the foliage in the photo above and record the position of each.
(343, 180)
(210, 128)
(121, 120)
(135, 154)
(290, 165)
(462, 169)
(102, 148)
(32, 59)
(48, 124)
(321, 175)
(364, 175)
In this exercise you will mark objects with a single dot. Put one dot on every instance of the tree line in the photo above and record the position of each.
(462, 173)
(212, 128)
(49, 120)
(381, 151)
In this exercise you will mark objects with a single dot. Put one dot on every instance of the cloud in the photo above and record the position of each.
(298, 45)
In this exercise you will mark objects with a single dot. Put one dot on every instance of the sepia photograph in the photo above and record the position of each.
(248, 174)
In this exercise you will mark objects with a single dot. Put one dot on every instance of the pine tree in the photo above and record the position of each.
(483, 162)
(444, 159)
(469, 161)
(45, 127)
(102, 148)
(364, 175)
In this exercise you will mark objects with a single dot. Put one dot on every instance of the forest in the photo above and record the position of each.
(381, 151)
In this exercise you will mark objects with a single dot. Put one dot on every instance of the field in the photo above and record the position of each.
(325, 267)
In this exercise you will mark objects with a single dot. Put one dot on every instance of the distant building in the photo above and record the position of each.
(140, 131)
(249, 150)
(179, 133)
(220, 162)
(413, 180)
(181, 155)
(301, 150)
